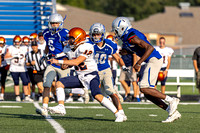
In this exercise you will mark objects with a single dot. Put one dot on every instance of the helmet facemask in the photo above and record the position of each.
(98, 29)
(55, 19)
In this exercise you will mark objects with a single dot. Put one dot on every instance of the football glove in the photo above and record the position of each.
(124, 68)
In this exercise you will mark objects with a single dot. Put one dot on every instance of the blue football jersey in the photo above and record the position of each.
(55, 42)
(135, 48)
(102, 53)
(128, 59)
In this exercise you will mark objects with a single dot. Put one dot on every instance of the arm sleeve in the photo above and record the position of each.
(131, 35)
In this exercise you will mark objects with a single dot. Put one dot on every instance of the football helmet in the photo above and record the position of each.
(76, 36)
(120, 25)
(55, 18)
(17, 39)
(87, 36)
(2, 40)
(33, 36)
(97, 28)
(110, 37)
(25, 39)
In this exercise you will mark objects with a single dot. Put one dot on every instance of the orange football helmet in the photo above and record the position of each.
(33, 36)
(2, 40)
(79, 35)
(17, 38)
(25, 39)
(110, 37)
(160, 76)
(87, 36)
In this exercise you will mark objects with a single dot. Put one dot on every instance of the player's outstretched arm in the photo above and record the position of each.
(73, 62)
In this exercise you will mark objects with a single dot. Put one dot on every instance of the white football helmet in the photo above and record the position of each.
(97, 28)
(55, 17)
(120, 25)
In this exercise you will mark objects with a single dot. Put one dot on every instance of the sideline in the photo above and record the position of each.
(54, 124)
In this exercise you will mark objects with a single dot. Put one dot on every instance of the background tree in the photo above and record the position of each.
(139, 9)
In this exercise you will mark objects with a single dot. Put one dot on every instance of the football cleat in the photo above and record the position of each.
(173, 105)
(119, 117)
(59, 109)
(80, 99)
(1, 98)
(70, 99)
(124, 117)
(28, 99)
(42, 112)
(173, 117)
(129, 98)
(18, 98)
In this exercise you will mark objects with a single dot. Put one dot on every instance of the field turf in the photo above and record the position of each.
(93, 118)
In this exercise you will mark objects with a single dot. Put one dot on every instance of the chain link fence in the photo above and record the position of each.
(181, 62)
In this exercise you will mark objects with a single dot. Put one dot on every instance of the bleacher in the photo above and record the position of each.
(23, 17)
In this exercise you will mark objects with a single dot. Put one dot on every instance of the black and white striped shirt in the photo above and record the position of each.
(36, 57)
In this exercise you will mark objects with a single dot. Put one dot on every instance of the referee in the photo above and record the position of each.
(33, 59)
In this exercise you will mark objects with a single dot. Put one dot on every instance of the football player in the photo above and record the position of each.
(113, 64)
(26, 42)
(135, 41)
(3, 66)
(87, 74)
(102, 49)
(33, 37)
(166, 53)
(55, 37)
(18, 69)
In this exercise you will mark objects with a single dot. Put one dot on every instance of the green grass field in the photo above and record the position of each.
(93, 118)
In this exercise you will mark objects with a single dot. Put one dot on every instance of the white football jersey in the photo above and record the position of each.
(166, 53)
(18, 63)
(89, 65)
(2, 53)
(42, 46)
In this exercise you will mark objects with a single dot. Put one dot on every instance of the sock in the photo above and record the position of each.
(78, 91)
(121, 111)
(141, 95)
(33, 94)
(61, 105)
(168, 98)
(168, 109)
(45, 105)
(60, 94)
(2, 95)
(40, 94)
(109, 105)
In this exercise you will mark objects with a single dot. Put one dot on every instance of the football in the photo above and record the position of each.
(160, 76)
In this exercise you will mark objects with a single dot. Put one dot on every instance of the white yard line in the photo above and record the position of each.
(141, 108)
(54, 124)
(10, 106)
(85, 107)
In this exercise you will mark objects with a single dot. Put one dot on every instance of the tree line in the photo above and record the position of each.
(139, 9)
